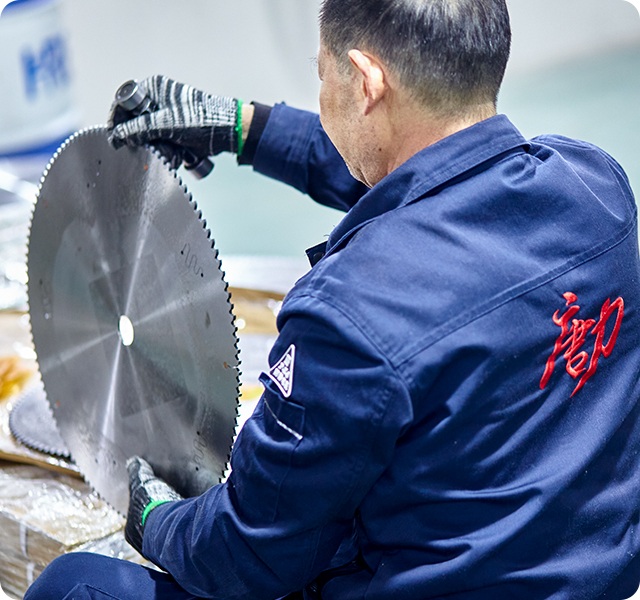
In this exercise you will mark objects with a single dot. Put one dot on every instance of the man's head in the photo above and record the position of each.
(398, 75)
(450, 54)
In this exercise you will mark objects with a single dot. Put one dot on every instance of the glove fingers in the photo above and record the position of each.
(117, 115)
(138, 469)
(174, 155)
(181, 116)
(133, 464)
(163, 91)
(158, 125)
(142, 130)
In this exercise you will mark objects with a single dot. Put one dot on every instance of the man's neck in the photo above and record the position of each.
(417, 131)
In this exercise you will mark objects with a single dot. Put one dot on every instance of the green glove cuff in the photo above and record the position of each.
(153, 504)
(239, 104)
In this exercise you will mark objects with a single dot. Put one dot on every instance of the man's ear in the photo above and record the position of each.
(373, 78)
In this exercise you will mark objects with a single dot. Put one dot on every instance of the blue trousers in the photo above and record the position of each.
(85, 576)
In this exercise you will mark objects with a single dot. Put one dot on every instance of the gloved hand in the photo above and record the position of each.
(146, 492)
(181, 115)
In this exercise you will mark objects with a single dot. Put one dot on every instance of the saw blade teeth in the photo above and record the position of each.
(163, 159)
(32, 409)
(95, 490)
(96, 467)
(216, 256)
(54, 157)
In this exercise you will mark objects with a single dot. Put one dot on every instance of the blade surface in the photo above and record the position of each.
(131, 319)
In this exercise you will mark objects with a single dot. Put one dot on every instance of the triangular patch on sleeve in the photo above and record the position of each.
(282, 372)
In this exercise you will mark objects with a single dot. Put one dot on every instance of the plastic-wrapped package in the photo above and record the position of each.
(44, 515)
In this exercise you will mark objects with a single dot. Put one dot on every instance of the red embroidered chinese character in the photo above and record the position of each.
(573, 336)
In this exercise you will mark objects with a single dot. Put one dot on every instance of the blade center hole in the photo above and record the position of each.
(125, 330)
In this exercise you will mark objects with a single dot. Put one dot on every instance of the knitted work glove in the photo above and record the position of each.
(146, 492)
(180, 115)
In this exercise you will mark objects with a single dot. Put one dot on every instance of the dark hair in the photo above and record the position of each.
(451, 54)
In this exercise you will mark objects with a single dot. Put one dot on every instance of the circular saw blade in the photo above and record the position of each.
(32, 423)
(130, 318)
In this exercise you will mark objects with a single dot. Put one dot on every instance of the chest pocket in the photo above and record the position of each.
(264, 451)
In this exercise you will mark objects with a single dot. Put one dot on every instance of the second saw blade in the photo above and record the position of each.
(131, 319)
(32, 423)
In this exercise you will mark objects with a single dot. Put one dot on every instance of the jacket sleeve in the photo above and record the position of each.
(295, 149)
(321, 435)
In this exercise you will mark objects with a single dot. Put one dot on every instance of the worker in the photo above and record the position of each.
(451, 407)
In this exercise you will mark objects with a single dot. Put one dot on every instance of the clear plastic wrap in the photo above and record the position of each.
(44, 515)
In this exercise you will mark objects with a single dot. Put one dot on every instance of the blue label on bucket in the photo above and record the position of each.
(21, 3)
(45, 67)
(38, 110)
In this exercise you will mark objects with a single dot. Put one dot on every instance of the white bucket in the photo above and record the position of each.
(37, 109)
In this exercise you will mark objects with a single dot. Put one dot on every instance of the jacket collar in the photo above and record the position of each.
(431, 167)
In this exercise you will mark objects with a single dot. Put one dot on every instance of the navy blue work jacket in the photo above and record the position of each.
(452, 402)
